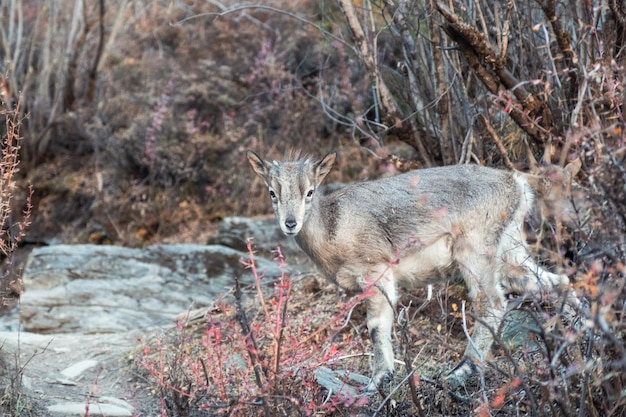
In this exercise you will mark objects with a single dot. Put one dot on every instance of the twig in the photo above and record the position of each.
(452, 394)
(404, 333)
(481, 355)
(284, 291)
(386, 102)
(257, 278)
(388, 397)
(466, 149)
(227, 11)
(496, 139)
(251, 345)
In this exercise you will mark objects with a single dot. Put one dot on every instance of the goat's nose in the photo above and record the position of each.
(291, 224)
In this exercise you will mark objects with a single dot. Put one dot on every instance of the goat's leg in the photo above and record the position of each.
(532, 279)
(541, 281)
(485, 291)
(380, 316)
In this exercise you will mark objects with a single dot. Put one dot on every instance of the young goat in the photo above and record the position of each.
(413, 229)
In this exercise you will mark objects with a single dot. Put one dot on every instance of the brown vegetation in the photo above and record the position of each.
(135, 119)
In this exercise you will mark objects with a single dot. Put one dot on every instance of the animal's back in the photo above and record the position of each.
(423, 203)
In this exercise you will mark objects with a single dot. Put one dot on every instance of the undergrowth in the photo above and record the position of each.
(244, 357)
(280, 348)
(13, 225)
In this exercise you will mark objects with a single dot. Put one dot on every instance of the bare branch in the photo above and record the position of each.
(93, 72)
(409, 50)
(477, 50)
(443, 102)
(387, 103)
(496, 139)
(506, 30)
(226, 11)
(619, 9)
(521, 118)
(479, 43)
(563, 40)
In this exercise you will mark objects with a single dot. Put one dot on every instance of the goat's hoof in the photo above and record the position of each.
(457, 377)
(370, 389)
(454, 381)
(378, 384)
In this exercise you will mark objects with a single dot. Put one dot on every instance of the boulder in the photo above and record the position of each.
(234, 232)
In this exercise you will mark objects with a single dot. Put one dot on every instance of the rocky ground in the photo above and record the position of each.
(71, 341)
(72, 345)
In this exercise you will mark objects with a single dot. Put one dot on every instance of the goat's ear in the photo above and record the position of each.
(258, 165)
(323, 167)
(573, 167)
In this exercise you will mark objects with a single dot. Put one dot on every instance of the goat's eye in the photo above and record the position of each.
(272, 194)
(310, 193)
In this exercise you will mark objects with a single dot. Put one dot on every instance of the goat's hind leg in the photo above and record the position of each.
(380, 315)
(482, 279)
(535, 280)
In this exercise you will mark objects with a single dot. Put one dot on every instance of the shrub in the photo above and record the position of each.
(242, 359)
(12, 232)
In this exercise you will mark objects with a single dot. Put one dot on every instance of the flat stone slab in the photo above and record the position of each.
(95, 409)
(107, 289)
(74, 371)
(94, 362)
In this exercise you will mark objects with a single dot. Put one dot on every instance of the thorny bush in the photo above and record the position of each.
(12, 232)
(246, 358)
(240, 360)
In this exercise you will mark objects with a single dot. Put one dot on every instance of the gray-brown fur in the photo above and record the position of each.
(412, 230)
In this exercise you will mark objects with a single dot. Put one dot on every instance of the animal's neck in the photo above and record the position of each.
(311, 235)
(313, 238)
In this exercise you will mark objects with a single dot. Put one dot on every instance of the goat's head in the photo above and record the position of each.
(292, 186)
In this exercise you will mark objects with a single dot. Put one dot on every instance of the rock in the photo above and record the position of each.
(346, 385)
(266, 237)
(105, 289)
(95, 362)
(95, 304)
(95, 409)
(235, 231)
(65, 381)
(74, 371)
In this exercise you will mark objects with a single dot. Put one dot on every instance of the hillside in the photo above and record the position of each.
(130, 121)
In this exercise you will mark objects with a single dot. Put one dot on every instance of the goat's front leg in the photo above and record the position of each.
(380, 314)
